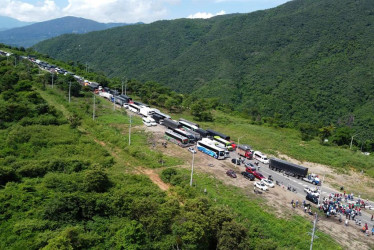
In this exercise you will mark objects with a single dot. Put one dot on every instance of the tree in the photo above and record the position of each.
(95, 180)
(232, 236)
(308, 131)
(342, 136)
(131, 237)
(200, 111)
(325, 132)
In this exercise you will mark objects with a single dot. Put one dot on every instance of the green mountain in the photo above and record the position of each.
(304, 61)
(29, 35)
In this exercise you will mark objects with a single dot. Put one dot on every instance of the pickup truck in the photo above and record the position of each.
(312, 191)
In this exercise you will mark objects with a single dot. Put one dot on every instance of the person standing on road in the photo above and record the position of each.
(372, 217)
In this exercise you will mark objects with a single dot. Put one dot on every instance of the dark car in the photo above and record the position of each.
(231, 173)
(235, 161)
(312, 198)
(248, 176)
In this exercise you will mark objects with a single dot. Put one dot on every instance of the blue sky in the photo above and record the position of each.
(128, 11)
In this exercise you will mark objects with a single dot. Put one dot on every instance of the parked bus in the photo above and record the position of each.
(225, 143)
(134, 108)
(188, 125)
(211, 150)
(216, 144)
(175, 138)
(190, 136)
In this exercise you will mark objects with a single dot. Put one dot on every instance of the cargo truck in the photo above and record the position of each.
(245, 151)
(288, 168)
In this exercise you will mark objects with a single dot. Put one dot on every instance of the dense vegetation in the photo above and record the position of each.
(29, 35)
(69, 182)
(306, 61)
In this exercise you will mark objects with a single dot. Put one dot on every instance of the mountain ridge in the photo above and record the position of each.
(29, 35)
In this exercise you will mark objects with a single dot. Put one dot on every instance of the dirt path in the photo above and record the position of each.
(155, 178)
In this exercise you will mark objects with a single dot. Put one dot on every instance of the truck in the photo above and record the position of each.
(245, 151)
(312, 178)
(171, 124)
(288, 168)
(213, 133)
(106, 95)
(158, 118)
(146, 111)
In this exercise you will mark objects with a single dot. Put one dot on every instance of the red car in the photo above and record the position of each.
(256, 174)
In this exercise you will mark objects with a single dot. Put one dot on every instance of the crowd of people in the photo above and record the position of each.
(342, 205)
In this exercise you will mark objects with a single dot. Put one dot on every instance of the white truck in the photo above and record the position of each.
(312, 178)
(146, 111)
(106, 95)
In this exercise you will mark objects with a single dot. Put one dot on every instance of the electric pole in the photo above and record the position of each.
(114, 103)
(130, 131)
(93, 111)
(316, 216)
(193, 159)
(52, 80)
(122, 87)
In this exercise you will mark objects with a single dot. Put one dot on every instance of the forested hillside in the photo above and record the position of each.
(305, 61)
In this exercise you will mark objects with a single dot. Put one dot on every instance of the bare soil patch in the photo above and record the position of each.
(155, 178)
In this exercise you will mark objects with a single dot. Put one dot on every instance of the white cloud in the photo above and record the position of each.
(100, 10)
(28, 12)
(205, 15)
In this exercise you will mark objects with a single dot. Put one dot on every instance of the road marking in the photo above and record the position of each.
(300, 183)
(305, 185)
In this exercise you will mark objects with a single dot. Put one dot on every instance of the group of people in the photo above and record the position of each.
(333, 205)
(336, 205)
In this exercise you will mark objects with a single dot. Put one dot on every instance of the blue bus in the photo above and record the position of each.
(211, 150)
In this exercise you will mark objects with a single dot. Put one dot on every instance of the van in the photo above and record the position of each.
(261, 157)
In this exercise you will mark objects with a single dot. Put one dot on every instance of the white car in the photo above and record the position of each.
(261, 186)
(192, 150)
(311, 191)
(268, 182)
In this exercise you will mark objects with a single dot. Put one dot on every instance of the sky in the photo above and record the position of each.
(128, 11)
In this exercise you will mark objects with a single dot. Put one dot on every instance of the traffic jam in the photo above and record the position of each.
(289, 176)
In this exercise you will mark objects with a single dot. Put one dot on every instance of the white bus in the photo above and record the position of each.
(188, 125)
(134, 108)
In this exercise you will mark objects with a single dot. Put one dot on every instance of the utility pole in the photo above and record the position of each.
(114, 103)
(130, 131)
(70, 91)
(316, 216)
(52, 80)
(193, 160)
(93, 111)
(122, 87)
(125, 86)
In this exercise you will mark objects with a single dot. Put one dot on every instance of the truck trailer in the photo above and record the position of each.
(171, 124)
(288, 167)
(213, 133)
